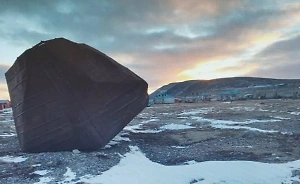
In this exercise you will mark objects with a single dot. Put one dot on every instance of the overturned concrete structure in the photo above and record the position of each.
(69, 96)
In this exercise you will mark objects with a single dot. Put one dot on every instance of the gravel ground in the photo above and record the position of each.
(264, 131)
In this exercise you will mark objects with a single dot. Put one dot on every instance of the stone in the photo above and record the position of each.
(76, 151)
(67, 96)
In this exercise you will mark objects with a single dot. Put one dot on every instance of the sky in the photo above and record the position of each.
(163, 41)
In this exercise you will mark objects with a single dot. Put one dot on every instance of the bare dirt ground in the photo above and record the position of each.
(258, 130)
(272, 136)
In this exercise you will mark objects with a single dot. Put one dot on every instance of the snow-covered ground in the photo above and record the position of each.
(295, 113)
(135, 168)
(191, 114)
(135, 165)
(12, 159)
(225, 124)
(7, 135)
(139, 127)
(196, 111)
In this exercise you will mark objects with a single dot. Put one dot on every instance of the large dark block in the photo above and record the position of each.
(69, 96)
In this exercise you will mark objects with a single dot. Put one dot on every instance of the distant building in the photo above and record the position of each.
(197, 97)
(205, 97)
(150, 102)
(177, 100)
(164, 99)
(190, 99)
(230, 95)
(249, 96)
(5, 104)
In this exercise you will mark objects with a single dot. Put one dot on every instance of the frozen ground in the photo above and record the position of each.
(239, 142)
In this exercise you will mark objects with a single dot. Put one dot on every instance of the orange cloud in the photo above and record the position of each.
(264, 39)
(217, 69)
(193, 8)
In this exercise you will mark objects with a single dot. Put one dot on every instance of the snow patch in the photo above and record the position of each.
(249, 109)
(173, 126)
(7, 135)
(242, 127)
(178, 147)
(190, 162)
(182, 117)
(278, 117)
(133, 128)
(6, 111)
(117, 139)
(134, 167)
(7, 121)
(263, 110)
(225, 124)
(41, 172)
(69, 176)
(243, 146)
(138, 129)
(12, 159)
(196, 111)
(287, 133)
(44, 180)
(165, 113)
(249, 121)
(295, 113)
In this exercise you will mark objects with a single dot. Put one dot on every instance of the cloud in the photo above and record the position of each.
(284, 71)
(160, 40)
(3, 85)
(275, 58)
(284, 49)
(4, 92)
(3, 70)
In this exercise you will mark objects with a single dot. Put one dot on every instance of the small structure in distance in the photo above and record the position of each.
(230, 95)
(164, 99)
(4, 104)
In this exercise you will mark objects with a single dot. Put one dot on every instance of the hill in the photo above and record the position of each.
(245, 85)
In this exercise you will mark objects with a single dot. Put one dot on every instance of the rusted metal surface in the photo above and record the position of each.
(69, 96)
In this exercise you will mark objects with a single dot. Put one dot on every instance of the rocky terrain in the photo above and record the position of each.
(266, 131)
(271, 88)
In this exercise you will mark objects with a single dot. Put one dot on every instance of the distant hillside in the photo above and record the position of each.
(215, 86)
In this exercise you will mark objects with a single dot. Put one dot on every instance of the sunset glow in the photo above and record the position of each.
(215, 69)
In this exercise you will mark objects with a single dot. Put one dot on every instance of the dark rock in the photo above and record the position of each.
(68, 96)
